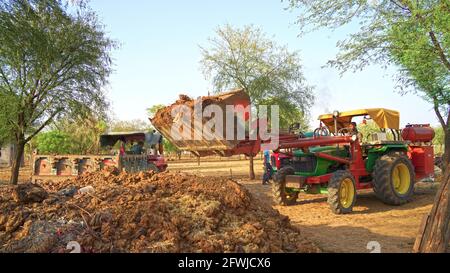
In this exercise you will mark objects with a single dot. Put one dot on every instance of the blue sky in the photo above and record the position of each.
(159, 56)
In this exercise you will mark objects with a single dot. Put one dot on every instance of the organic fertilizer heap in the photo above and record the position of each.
(110, 211)
(183, 123)
(164, 116)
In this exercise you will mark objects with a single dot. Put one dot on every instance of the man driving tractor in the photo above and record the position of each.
(353, 129)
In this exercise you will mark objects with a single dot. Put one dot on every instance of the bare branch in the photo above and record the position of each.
(5, 79)
(405, 8)
(438, 113)
(45, 124)
(439, 50)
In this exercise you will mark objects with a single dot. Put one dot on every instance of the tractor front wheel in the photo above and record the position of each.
(342, 192)
(393, 179)
(283, 196)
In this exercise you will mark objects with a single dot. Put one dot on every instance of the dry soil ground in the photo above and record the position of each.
(25, 175)
(394, 228)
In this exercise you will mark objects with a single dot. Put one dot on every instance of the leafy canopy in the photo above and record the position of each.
(130, 126)
(154, 109)
(271, 74)
(54, 61)
(423, 69)
(412, 34)
(55, 142)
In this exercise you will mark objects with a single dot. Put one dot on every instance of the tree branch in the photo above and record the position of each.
(47, 122)
(400, 5)
(439, 115)
(36, 116)
(439, 49)
(5, 79)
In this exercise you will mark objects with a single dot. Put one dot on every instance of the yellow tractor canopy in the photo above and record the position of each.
(384, 118)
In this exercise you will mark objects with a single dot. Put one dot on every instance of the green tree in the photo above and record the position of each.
(154, 109)
(84, 133)
(269, 73)
(415, 36)
(170, 148)
(130, 126)
(368, 129)
(54, 142)
(54, 61)
(439, 139)
(422, 68)
(6, 104)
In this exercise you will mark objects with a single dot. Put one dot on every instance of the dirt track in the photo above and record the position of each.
(395, 228)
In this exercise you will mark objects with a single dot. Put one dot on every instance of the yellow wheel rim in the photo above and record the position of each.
(401, 179)
(347, 193)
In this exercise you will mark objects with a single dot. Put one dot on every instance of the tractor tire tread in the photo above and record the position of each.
(382, 180)
(333, 192)
(278, 187)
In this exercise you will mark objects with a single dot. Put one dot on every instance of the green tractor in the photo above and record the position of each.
(335, 161)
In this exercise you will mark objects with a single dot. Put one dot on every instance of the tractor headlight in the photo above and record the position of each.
(336, 114)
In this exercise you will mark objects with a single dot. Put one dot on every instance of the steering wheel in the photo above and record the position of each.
(296, 127)
(343, 131)
(322, 131)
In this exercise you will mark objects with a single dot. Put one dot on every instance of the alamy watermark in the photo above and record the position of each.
(374, 247)
(227, 122)
(74, 246)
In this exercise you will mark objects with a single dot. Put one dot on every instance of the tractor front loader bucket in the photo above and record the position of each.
(186, 114)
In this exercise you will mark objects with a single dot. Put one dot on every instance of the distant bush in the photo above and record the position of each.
(54, 142)
(438, 141)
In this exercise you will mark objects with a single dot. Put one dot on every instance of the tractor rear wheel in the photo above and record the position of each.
(342, 192)
(282, 195)
(393, 179)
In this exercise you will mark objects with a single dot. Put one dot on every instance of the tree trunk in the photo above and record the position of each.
(446, 157)
(18, 155)
(252, 169)
(434, 233)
